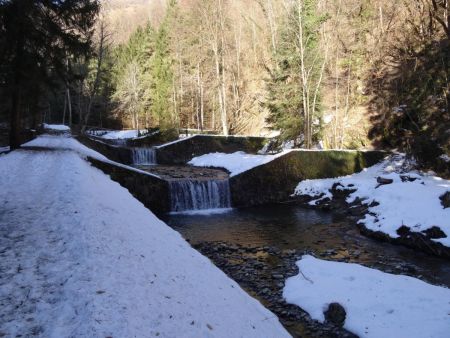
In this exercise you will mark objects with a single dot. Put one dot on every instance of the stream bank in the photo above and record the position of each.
(258, 248)
(356, 210)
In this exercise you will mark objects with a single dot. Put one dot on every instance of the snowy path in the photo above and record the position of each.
(80, 257)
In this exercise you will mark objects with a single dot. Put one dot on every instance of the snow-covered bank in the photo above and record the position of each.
(80, 257)
(122, 134)
(56, 127)
(235, 163)
(377, 304)
(412, 199)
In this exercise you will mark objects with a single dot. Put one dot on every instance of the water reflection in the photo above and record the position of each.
(323, 233)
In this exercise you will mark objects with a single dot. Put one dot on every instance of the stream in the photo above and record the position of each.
(258, 248)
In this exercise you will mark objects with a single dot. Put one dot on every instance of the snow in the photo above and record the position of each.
(58, 127)
(4, 149)
(414, 204)
(235, 163)
(126, 134)
(378, 304)
(80, 257)
(120, 134)
(176, 141)
(70, 144)
(445, 158)
(60, 142)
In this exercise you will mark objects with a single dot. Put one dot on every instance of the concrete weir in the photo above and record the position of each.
(187, 195)
(151, 190)
(172, 187)
(276, 181)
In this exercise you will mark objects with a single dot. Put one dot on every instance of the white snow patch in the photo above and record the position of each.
(378, 304)
(414, 204)
(445, 158)
(59, 127)
(176, 141)
(235, 163)
(56, 142)
(4, 149)
(82, 258)
(120, 134)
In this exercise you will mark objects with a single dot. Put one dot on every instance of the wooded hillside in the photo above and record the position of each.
(343, 74)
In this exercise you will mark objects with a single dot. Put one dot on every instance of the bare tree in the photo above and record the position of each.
(102, 45)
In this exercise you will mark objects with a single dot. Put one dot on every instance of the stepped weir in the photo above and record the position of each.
(188, 195)
(144, 156)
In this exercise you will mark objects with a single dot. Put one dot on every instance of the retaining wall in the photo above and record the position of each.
(114, 153)
(183, 151)
(152, 191)
(276, 181)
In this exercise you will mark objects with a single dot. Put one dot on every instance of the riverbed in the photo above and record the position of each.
(258, 247)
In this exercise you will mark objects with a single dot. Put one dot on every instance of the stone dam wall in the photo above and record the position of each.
(114, 153)
(269, 183)
(276, 181)
(183, 151)
(179, 152)
(152, 191)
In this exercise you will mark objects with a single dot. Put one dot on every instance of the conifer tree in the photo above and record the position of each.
(294, 95)
(162, 75)
(37, 38)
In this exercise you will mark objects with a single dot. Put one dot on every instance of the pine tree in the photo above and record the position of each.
(162, 75)
(294, 84)
(37, 38)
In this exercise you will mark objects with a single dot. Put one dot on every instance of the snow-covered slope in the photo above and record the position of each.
(378, 304)
(415, 204)
(80, 257)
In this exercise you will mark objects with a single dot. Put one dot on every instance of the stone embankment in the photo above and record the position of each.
(276, 181)
(183, 151)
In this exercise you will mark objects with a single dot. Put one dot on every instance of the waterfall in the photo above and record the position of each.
(196, 195)
(144, 156)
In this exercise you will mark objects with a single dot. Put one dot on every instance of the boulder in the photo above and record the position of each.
(445, 199)
(434, 232)
(335, 314)
(382, 181)
(403, 231)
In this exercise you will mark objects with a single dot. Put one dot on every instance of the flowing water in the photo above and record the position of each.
(258, 248)
(144, 156)
(293, 227)
(189, 195)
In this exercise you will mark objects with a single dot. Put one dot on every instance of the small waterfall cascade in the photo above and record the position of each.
(144, 156)
(199, 195)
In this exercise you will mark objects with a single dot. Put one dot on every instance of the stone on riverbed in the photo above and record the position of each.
(445, 200)
(434, 233)
(335, 314)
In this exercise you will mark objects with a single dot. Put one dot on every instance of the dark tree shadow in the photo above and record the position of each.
(410, 99)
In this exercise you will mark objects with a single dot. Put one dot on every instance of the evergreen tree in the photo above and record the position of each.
(36, 40)
(294, 97)
(162, 75)
(132, 78)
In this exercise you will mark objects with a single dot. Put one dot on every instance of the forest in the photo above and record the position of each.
(332, 74)
(225, 168)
